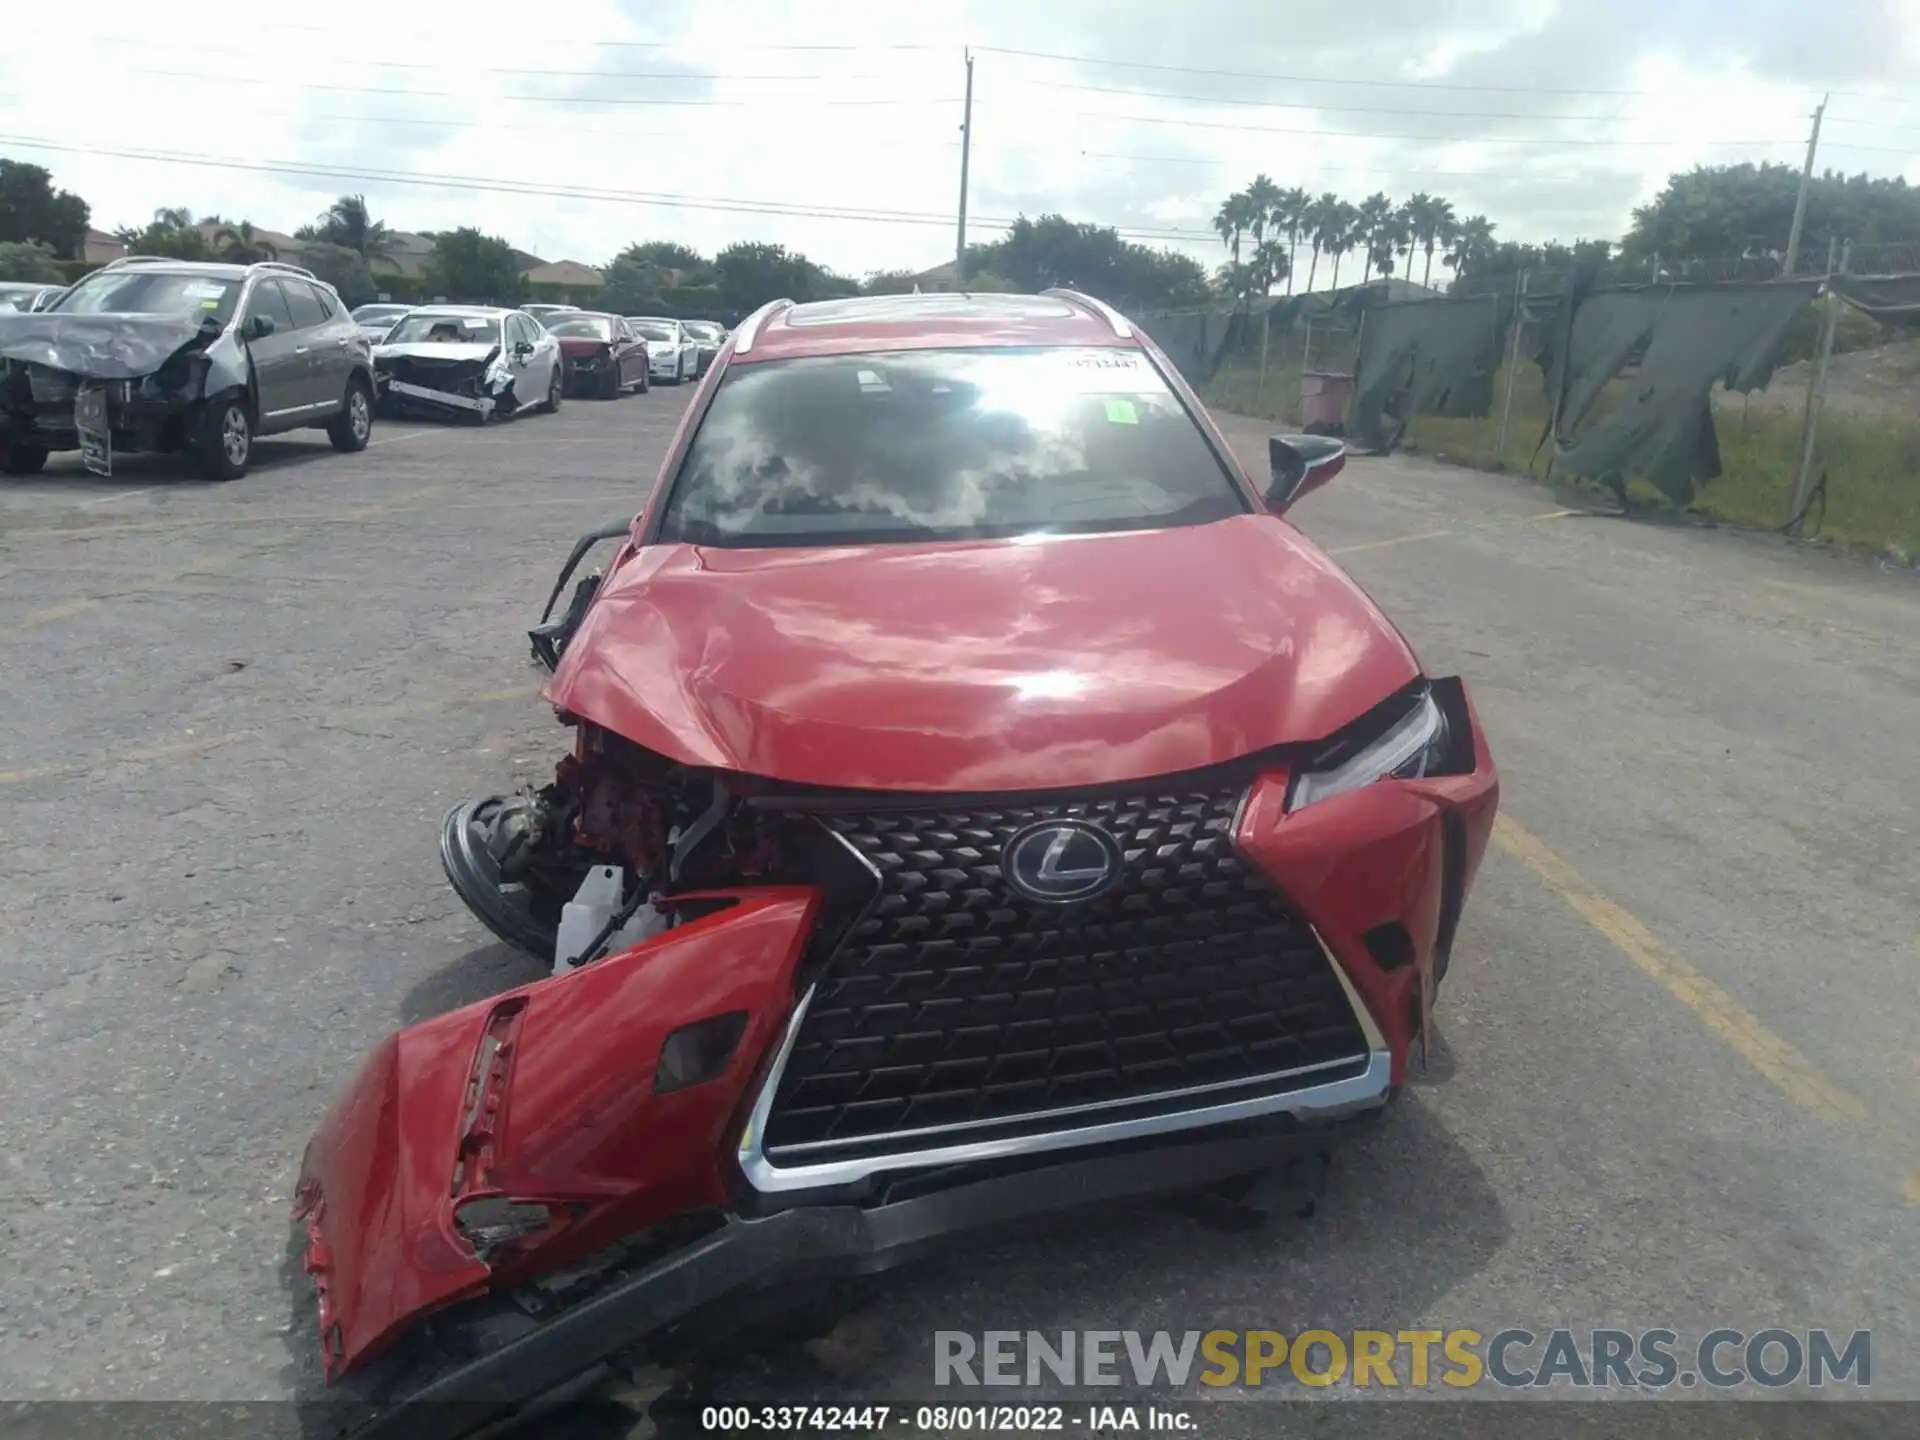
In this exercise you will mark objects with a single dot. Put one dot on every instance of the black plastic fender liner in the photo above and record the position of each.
(475, 877)
(523, 1368)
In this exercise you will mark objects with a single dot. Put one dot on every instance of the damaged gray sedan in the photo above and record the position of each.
(150, 354)
(468, 362)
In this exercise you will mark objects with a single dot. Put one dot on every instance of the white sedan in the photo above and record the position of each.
(472, 361)
(673, 354)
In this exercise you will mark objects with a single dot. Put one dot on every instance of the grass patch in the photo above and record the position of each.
(1872, 464)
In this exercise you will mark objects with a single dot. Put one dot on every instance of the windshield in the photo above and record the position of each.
(944, 445)
(701, 330)
(653, 329)
(426, 328)
(379, 314)
(17, 296)
(149, 292)
(581, 327)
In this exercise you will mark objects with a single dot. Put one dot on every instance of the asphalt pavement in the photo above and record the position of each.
(1673, 1086)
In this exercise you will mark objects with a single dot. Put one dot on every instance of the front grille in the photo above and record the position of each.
(954, 1002)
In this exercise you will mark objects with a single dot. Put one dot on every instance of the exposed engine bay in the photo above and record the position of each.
(106, 383)
(622, 845)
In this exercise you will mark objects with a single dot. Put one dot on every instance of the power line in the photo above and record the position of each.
(464, 69)
(1503, 172)
(1545, 140)
(281, 84)
(1299, 79)
(1191, 98)
(564, 192)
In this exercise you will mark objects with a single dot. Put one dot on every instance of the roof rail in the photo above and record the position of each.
(119, 260)
(1094, 307)
(750, 327)
(283, 265)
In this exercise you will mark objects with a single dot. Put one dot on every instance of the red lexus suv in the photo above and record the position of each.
(981, 801)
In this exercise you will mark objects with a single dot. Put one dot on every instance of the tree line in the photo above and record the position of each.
(1701, 219)
(1712, 213)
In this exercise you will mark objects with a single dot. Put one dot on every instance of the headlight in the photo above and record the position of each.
(1414, 743)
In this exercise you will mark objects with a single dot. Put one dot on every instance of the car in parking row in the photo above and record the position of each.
(151, 354)
(470, 362)
(604, 357)
(673, 354)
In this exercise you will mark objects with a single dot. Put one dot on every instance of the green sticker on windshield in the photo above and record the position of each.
(1121, 412)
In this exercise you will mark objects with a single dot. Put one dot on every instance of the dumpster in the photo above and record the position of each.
(1323, 402)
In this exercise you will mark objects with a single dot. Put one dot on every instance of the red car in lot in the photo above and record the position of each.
(981, 800)
(602, 355)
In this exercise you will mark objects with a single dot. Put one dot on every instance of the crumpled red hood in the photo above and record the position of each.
(992, 665)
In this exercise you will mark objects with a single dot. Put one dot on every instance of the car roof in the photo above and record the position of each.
(213, 269)
(494, 311)
(944, 320)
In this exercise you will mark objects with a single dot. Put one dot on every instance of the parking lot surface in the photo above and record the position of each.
(1674, 1079)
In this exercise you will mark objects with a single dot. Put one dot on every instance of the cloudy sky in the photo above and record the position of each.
(573, 129)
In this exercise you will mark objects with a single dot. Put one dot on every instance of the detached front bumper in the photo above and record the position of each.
(805, 1245)
(445, 402)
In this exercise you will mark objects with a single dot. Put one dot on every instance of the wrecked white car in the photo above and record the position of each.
(468, 362)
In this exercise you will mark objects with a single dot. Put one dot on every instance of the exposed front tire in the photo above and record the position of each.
(222, 441)
(353, 426)
(610, 385)
(555, 385)
(19, 459)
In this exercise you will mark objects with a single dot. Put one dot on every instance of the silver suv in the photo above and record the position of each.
(151, 354)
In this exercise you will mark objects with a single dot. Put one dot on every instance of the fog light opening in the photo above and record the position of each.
(697, 1053)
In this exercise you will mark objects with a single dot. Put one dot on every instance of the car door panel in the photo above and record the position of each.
(332, 351)
(279, 359)
(311, 342)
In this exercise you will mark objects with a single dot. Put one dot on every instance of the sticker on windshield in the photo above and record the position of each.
(872, 381)
(204, 290)
(1107, 360)
(1121, 412)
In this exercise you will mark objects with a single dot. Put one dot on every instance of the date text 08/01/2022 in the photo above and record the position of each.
(942, 1419)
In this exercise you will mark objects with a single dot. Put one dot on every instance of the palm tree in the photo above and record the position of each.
(348, 222)
(1472, 241)
(1320, 219)
(1290, 220)
(241, 244)
(1432, 219)
(1339, 227)
(1371, 218)
(1230, 223)
(1261, 197)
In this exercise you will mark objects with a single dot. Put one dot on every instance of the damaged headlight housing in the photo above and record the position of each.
(1405, 739)
(498, 371)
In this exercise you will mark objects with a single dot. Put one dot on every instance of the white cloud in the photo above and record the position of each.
(872, 129)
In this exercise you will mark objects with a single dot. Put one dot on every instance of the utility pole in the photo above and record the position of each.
(1817, 392)
(1800, 202)
(966, 158)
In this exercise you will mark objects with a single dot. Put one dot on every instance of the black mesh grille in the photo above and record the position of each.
(954, 1000)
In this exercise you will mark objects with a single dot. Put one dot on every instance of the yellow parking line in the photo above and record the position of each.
(1743, 1032)
(1443, 534)
(195, 744)
(1789, 1071)
(1383, 544)
(215, 563)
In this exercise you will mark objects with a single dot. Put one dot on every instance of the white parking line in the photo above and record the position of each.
(409, 435)
(121, 495)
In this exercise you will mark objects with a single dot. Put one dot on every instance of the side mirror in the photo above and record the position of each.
(1301, 464)
(258, 327)
(523, 348)
(550, 636)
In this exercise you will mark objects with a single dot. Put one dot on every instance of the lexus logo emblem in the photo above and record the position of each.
(1059, 861)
